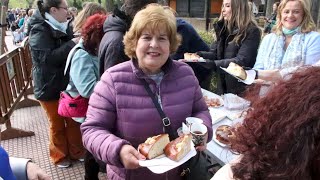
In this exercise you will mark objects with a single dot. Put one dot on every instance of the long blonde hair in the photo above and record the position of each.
(307, 24)
(89, 9)
(241, 18)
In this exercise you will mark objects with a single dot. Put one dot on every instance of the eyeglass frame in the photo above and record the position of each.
(65, 8)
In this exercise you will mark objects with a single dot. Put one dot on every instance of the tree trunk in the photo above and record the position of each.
(315, 11)
(109, 5)
(207, 13)
(3, 13)
(269, 4)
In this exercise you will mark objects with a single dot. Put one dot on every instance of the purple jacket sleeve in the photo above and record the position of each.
(98, 128)
(200, 110)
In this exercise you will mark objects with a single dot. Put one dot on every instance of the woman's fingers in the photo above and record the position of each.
(130, 157)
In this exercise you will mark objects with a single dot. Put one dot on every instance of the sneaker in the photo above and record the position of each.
(64, 163)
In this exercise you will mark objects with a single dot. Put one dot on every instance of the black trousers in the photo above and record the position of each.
(91, 167)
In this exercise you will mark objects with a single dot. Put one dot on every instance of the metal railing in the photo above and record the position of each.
(15, 86)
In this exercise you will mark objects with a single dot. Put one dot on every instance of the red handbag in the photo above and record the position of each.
(72, 107)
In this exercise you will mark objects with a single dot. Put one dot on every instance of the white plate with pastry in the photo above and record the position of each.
(214, 138)
(212, 100)
(245, 76)
(217, 115)
(192, 57)
(175, 152)
(222, 134)
(193, 60)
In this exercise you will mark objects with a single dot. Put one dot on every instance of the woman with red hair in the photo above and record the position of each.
(280, 137)
(83, 60)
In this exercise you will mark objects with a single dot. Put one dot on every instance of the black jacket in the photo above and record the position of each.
(49, 51)
(111, 49)
(191, 41)
(224, 50)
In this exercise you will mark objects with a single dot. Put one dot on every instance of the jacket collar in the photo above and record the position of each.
(166, 68)
(221, 28)
(38, 18)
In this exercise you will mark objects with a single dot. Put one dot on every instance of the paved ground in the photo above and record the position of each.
(36, 147)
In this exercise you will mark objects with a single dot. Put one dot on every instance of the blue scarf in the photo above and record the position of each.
(56, 24)
(290, 32)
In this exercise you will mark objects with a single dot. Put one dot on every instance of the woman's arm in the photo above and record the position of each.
(312, 49)
(269, 75)
(100, 124)
(263, 51)
(200, 109)
(55, 57)
(82, 73)
(212, 54)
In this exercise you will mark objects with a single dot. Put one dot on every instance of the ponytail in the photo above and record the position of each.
(45, 5)
(40, 6)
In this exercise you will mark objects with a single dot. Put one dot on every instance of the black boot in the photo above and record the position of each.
(91, 167)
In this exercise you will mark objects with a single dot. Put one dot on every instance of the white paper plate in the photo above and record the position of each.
(217, 115)
(251, 75)
(163, 164)
(193, 60)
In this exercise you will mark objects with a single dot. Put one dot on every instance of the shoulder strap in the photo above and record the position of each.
(69, 59)
(165, 120)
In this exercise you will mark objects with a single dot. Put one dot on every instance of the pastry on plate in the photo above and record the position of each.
(178, 148)
(212, 102)
(237, 70)
(223, 134)
(154, 146)
(190, 56)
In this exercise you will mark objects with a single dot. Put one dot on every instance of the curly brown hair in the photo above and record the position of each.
(279, 138)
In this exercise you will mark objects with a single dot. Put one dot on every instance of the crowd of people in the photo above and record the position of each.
(111, 59)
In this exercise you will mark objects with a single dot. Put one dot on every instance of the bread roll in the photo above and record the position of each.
(178, 148)
(154, 146)
(237, 70)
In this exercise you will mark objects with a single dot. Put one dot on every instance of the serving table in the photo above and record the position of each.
(221, 116)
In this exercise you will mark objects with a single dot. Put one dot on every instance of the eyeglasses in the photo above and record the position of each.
(65, 8)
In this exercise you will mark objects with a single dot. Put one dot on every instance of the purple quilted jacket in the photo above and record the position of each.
(121, 112)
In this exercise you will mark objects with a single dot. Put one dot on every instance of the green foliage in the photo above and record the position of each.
(208, 37)
(18, 4)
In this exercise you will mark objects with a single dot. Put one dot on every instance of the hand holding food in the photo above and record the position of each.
(130, 157)
(160, 144)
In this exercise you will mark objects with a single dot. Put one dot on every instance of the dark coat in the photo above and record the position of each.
(49, 51)
(111, 49)
(191, 41)
(225, 50)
